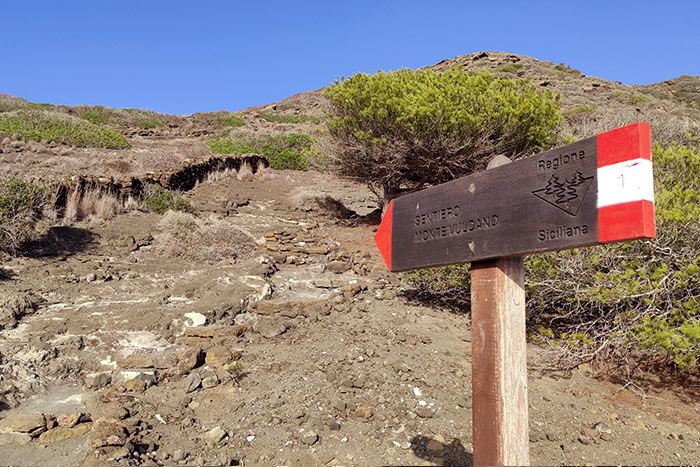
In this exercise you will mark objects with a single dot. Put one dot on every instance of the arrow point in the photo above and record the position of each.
(383, 236)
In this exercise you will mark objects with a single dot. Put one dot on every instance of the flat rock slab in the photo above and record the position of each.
(63, 433)
(268, 327)
(220, 355)
(153, 360)
(288, 308)
(23, 422)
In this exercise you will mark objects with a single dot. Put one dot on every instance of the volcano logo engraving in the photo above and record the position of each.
(567, 194)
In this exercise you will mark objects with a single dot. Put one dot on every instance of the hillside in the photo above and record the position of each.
(265, 329)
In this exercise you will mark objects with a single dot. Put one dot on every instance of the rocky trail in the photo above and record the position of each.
(302, 350)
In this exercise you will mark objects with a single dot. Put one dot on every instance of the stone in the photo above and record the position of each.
(160, 361)
(69, 420)
(269, 327)
(292, 307)
(179, 455)
(136, 385)
(111, 410)
(98, 380)
(585, 440)
(193, 382)
(323, 283)
(23, 422)
(14, 438)
(220, 355)
(108, 432)
(335, 426)
(189, 359)
(310, 438)
(214, 435)
(62, 433)
(435, 445)
(363, 412)
(50, 422)
(317, 250)
(338, 267)
(92, 277)
(210, 381)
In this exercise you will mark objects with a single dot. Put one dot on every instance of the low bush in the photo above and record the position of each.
(158, 199)
(631, 98)
(289, 151)
(21, 204)
(207, 240)
(563, 69)
(282, 118)
(33, 125)
(510, 68)
(401, 130)
(636, 304)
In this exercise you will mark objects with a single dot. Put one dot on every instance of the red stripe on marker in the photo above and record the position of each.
(625, 143)
(383, 236)
(626, 221)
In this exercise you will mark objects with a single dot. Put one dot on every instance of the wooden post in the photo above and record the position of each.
(499, 359)
(499, 363)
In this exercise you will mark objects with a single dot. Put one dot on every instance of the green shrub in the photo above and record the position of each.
(160, 200)
(581, 109)
(411, 128)
(563, 69)
(97, 114)
(630, 98)
(232, 120)
(288, 151)
(52, 126)
(635, 304)
(148, 123)
(281, 118)
(510, 68)
(21, 203)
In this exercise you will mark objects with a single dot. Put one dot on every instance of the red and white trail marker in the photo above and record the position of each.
(594, 191)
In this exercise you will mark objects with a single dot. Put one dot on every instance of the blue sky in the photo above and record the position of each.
(185, 57)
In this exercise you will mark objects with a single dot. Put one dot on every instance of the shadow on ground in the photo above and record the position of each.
(453, 454)
(58, 241)
(338, 210)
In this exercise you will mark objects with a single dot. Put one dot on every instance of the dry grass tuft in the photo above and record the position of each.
(204, 240)
(245, 173)
(95, 203)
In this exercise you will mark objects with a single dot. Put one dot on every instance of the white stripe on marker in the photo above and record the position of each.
(626, 181)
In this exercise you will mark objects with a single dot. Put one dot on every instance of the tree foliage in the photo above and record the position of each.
(411, 128)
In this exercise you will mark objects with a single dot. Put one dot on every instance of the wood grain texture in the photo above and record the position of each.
(499, 363)
(541, 203)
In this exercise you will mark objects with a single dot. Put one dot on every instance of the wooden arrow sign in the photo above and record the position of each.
(597, 190)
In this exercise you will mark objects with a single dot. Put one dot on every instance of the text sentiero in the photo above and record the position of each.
(459, 226)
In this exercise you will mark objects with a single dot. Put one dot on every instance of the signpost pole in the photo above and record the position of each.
(499, 361)
(499, 364)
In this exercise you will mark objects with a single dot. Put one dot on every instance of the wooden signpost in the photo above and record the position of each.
(594, 191)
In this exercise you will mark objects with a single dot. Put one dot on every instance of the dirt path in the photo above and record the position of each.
(302, 351)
